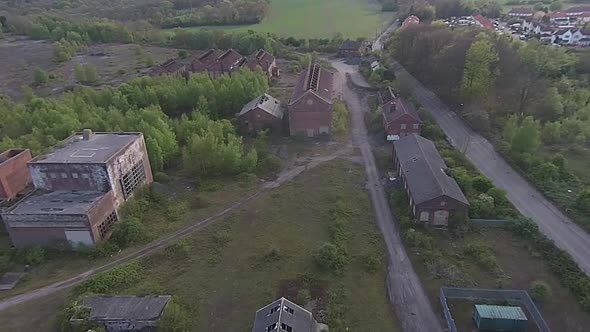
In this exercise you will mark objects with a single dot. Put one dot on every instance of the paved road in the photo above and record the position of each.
(405, 291)
(153, 247)
(526, 198)
(378, 43)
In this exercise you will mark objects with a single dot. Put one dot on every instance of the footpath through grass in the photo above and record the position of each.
(223, 274)
(319, 19)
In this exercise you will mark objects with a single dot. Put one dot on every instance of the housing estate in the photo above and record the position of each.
(521, 12)
(14, 176)
(573, 37)
(399, 117)
(79, 187)
(284, 315)
(124, 313)
(434, 197)
(261, 113)
(410, 20)
(265, 61)
(310, 107)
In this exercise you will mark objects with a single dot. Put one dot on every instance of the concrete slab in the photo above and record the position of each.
(10, 279)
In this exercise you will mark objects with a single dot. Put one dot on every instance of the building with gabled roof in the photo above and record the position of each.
(284, 315)
(228, 62)
(169, 67)
(124, 313)
(14, 176)
(261, 113)
(410, 20)
(310, 107)
(521, 12)
(434, 196)
(483, 22)
(350, 49)
(265, 61)
(400, 118)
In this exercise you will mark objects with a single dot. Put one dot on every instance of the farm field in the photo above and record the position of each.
(319, 18)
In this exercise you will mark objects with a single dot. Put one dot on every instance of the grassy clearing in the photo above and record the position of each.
(267, 250)
(319, 18)
(190, 203)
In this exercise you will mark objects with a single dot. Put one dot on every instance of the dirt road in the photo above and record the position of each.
(152, 247)
(525, 197)
(405, 290)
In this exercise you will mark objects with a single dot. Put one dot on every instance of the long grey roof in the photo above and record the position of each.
(300, 320)
(265, 102)
(58, 202)
(142, 308)
(424, 170)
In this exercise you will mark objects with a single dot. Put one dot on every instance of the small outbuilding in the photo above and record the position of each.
(263, 112)
(499, 318)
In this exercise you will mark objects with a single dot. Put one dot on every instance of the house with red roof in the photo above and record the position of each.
(399, 117)
(410, 20)
(483, 22)
(265, 61)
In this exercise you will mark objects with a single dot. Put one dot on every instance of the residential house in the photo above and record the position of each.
(79, 187)
(265, 61)
(562, 37)
(571, 37)
(14, 176)
(169, 67)
(124, 313)
(310, 107)
(579, 35)
(284, 315)
(483, 22)
(400, 119)
(434, 197)
(584, 42)
(581, 14)
(560, 18)
(410, 20)
(261, 113)
(521, 12)
(350, 49)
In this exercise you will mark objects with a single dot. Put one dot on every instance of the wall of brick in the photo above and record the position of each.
(257, 120)
(14, 175)
(91, 177)
(99, 213)
(310, 112)
(123, 162)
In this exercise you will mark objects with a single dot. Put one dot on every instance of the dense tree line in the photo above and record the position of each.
(173, 13)
(526, 95)
(148, 105)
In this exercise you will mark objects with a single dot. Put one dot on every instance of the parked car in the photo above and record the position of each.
(522, 37)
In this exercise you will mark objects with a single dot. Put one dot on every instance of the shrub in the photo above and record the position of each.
(583, 200)
(499, 196)
(482, 206)
(540, 291)
(40, 77)
(31, 255)
(484, 256)
(270, 163)
(162, 177)
(303, 296)
(175, 212)
(105, 249)
(331, 257)
(481, 184)
(107, 281)
(127, 232)
(183, 54)
(175, 318)
(180, 248)
(371, 262)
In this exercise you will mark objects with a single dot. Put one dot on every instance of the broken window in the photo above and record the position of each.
(289, 310)
(286, 327)
(132, 179)
(403, 126)
(75, 175)
(275, 309)
(271, 327)
(64, 175)
(103, 227)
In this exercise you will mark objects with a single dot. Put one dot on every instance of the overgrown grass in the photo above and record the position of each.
(320, 19)
(267, 250)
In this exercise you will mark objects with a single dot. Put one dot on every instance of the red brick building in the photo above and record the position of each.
(265, 61)
(14, 175)
(169, 67)
(400, 118)
(263, 112)
(79, 187)
(310, 107)
(434, 197)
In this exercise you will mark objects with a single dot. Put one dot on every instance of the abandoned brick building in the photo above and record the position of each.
(79, 187)
(169, 67)
(217, 63)
(14, 176)
(263, 112)
(435, 197)
(310, 107)
(265, 61)
(284, 315)
(399, 116)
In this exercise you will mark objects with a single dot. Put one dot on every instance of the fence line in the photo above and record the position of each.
(491, 222)
(475, 294)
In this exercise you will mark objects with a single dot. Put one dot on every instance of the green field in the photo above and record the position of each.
(320, 18)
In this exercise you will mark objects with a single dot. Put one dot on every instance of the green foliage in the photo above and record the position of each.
(478, 75)
(481, 184)
(175, 318)
(78, 311)
(339, 119)
(372, 262)
(482, 206)
(86, 74)
(183, 54)
(483, 255)
(583, 200)
(463, 178)
(331, 257)
(31, 255)
(40, 77)
(303, 296)
(128, 232)
(540, 291)
(499, 196)
(526, 138)
(109, 281)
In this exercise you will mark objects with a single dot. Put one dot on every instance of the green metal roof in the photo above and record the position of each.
(500, 312)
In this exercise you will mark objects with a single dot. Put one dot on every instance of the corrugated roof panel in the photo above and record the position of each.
(500, 312)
